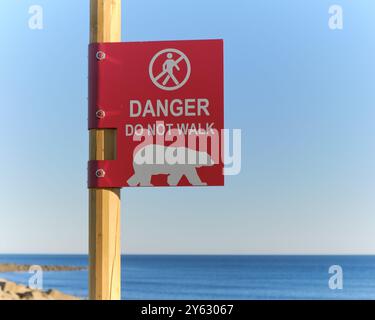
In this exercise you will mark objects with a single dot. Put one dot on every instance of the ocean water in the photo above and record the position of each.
(214, 277)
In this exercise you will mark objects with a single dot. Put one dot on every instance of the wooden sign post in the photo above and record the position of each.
(104, 204)
(133, 88)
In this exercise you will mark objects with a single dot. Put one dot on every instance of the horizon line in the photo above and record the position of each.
(202, 254)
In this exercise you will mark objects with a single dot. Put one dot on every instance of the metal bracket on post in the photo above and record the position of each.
(100, 174)
(99, 171)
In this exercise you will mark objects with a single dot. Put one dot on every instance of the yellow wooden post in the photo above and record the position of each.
(104, 204)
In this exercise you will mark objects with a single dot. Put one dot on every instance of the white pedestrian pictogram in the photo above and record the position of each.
(166, 78)
(168, 67)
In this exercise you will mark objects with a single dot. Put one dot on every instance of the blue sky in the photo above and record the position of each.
(302, 94)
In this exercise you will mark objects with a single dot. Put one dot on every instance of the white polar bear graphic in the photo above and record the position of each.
(177, 162)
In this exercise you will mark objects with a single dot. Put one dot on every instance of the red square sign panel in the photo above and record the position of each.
(166, 101)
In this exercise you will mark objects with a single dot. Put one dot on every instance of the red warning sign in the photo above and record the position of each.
(166, 101)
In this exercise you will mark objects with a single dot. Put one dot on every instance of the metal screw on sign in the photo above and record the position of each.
(100, 114)
(100, 55)
(100, 173)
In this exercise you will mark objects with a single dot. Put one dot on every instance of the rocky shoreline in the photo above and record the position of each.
(12, 291)
(12, 267)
